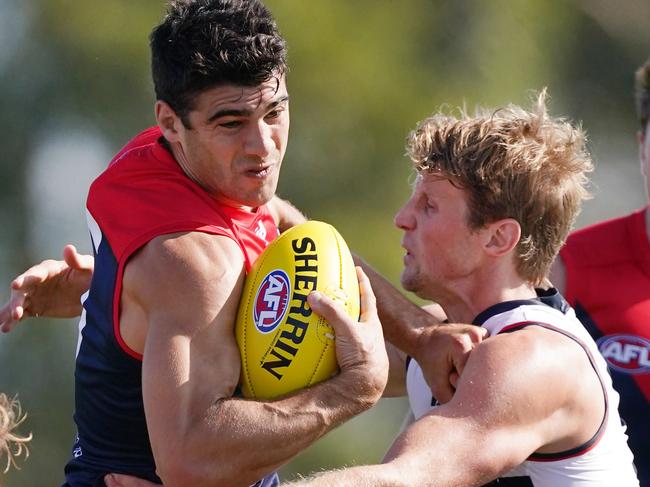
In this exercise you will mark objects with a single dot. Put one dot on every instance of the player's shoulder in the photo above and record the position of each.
(515, 374)
(505, 349)
(185, 269)
(184, 281)
(526, 357)
(186, 259)
(196, 251)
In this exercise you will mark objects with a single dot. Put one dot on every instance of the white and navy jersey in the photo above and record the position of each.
(142, 194)
(604, 460)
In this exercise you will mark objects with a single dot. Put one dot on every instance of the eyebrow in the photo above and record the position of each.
(244, 112)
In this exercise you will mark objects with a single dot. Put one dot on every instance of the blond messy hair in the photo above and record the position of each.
(11, 444)
(515, 164)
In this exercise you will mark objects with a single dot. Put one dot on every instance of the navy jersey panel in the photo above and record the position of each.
(109, 411)
(269, 481)
(511, 482)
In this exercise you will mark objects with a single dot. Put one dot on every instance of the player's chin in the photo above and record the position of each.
(408, 280)
(258, 193)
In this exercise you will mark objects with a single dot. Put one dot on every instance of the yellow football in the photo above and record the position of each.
(284, 346)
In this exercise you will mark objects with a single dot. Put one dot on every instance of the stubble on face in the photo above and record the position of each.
(438, 240)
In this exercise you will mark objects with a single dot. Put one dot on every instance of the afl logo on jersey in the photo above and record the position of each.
(271, 301)
(626, 353)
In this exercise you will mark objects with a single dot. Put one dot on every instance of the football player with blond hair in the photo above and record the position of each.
(495, 196)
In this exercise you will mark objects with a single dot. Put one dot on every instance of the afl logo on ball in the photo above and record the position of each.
(271, 301)
(626, 353)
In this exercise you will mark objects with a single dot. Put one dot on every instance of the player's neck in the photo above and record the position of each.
(464, 306)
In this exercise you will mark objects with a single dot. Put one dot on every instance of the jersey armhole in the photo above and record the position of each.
(593, 441)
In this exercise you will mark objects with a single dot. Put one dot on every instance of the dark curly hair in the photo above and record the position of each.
(201, 44)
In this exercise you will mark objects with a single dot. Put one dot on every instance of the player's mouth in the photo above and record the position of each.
(260, 172)
(407, 254)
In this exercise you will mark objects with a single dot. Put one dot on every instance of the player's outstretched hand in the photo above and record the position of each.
(119, 480)
(360, 348)
(52, 288)
(442, 352)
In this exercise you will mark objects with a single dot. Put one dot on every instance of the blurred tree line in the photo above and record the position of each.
(75, 87)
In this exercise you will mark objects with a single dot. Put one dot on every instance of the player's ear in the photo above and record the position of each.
(168, 121)
(501, 237)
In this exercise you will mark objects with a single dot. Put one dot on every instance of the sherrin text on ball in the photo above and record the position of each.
(284, 346)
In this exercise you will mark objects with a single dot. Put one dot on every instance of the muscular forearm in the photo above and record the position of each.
(201, 435)
(417, 462)
(400, 318)
(362, 476)
(271, 433)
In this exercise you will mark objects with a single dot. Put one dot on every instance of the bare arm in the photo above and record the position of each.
(441, 351)
(500, 414)
(396, 386)
(52, 288)
(285, 214)
(188, 289)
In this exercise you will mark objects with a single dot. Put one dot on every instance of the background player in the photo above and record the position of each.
(604, 272)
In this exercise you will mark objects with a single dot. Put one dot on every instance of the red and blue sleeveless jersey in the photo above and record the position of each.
(142, 194)
(608, 284)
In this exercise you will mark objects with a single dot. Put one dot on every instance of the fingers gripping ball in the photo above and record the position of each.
(284, 346)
